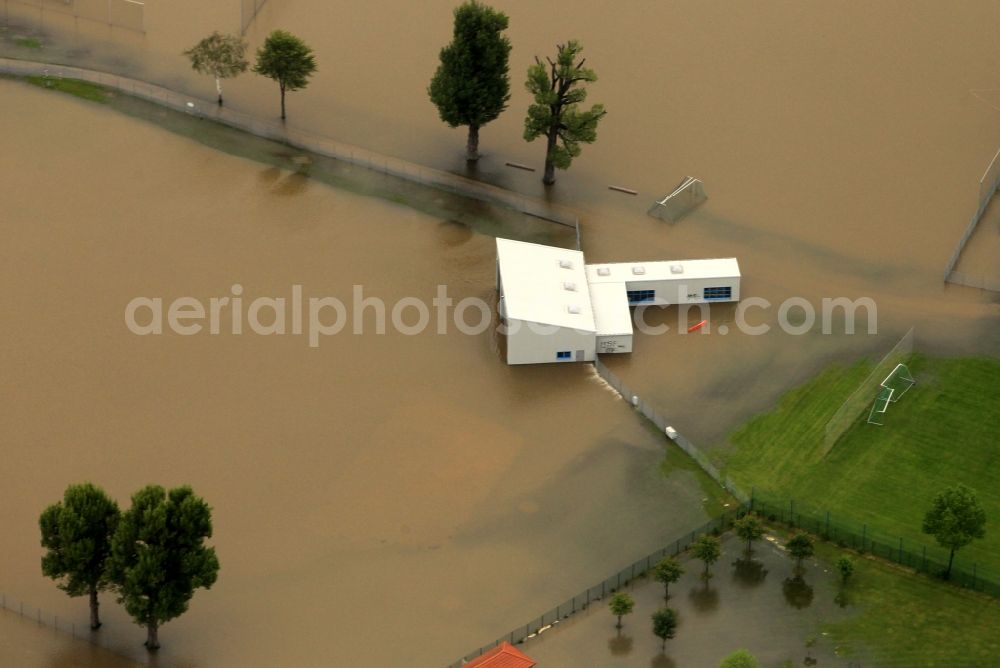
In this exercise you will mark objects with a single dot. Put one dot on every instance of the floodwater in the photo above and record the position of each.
(379, 499)
(757, 603)
(832, 150)
(840, 148)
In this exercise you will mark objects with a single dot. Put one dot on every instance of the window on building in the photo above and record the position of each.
(719, 293)
(639, 296)
(563, 355)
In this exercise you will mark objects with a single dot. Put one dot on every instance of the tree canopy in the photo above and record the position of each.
(955, 519)
(558, 91)
(740, 659)
(749, 528)
(220, 56)
(621, 604)
(845, 566)
(667, 571)
(159, 557)
(707, 549)
(664, 625)
(76, 534)
(800, 546)
(471, 85)
(286, 59)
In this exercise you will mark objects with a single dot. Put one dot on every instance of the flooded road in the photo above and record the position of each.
(377, 499)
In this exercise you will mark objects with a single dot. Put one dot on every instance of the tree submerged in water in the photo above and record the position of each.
(555, 115)
(220, 56)
(471, 85)
(77, 536)
(286, 59)
(159, 557)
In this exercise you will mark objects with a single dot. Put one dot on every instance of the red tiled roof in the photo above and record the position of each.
(504, 656)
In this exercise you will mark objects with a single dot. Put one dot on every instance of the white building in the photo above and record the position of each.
(559, 310)
(544, 303)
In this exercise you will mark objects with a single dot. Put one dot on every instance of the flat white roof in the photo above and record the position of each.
(545, 284)
(662, 270)
(611, 312)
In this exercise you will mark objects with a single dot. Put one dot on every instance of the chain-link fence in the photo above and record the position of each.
(862, 398)
(607, 586)
(125, 14)
(304, 140)
(59, 624)
(843, 532)
(248, 12)
(988, 185)
(665, 427)
(864, 538)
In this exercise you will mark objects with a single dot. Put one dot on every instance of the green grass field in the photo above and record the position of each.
(81, 89)
(913, 621)
(944, 431)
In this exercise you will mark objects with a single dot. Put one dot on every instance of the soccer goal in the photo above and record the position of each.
(683, 200)
(896, 384)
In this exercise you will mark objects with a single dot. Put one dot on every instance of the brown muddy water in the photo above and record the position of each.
(841, 160)
(378, 500)
(757, 603)
(840, 148)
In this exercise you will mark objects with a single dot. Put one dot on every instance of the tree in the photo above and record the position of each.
(77, 536)
(955, 518)
(667, 571)
(740, 659)
(845, 566)
(621, 604)
(664, 625)
(471, 85)
(221, 56)
(555, 114)
(800, 546)
(286, 59)
(708, 549)
(158, 556)
(749, 528)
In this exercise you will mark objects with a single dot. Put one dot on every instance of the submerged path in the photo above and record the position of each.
(310, 141)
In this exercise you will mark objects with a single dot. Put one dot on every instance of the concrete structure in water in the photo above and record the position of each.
(556, 308)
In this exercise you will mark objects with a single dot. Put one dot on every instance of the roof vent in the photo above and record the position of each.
(677, 268)
(638, 270)
(573, 308)
(569, 285)
(566, 264)
(604, 271)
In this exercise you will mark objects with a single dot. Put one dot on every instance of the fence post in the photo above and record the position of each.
(864, 532)
(752, 491)
(828, 525)
(791, 512)
(900, 560)
(924, 566)
(974, 575)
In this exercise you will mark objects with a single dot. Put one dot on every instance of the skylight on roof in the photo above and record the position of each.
(574, 309)
(677, 268)
(638, 270)
(604, 271)
(569, 285)
(566, 264)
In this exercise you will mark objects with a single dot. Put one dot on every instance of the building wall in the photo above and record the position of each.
(620, 343)
(525, 346)
(686, 290)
